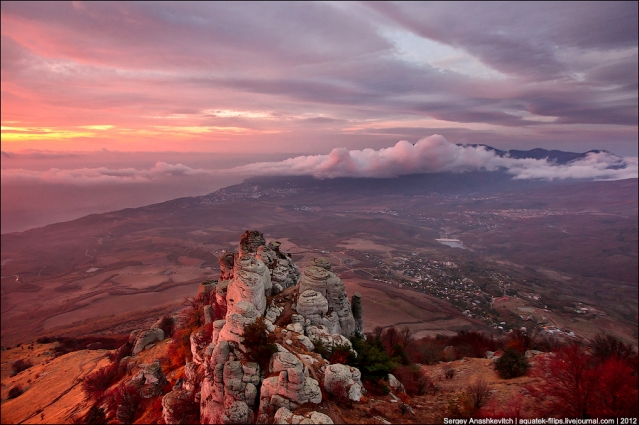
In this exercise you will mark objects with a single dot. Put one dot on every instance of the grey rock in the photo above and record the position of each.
(146, 337)
(343, 381)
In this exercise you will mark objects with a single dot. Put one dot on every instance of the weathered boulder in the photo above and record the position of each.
(217, 328)
(237, 413)
(273, 312)
(151, 380)
(343, 381)
(134, 335)
(192, 376)
(321, 335)
(316, 278)
(395, 385)
(291, 388)
(285, 416)
(449, 353)
(313, 306)
(227, 382)
(321, 262)
(146, 337)
(178, 407)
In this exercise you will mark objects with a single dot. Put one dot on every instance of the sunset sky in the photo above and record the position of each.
(215, 85)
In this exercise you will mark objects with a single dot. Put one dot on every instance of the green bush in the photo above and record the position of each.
(372, 360)
(511, 364)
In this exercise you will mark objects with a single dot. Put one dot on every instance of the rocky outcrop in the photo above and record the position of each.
(204, 291)
(395, 385)
(237, 413)
(224, 377)
(144, 338)
(313, 306)
(150, 381)
(252, 283)
(319, 278)
(285, 416)
(200, 338)
(178, 407)
(226, 383)
(291, 388)
(250, 241)
(358, 313)
(243, 313)
(343, 381)
(321, 335)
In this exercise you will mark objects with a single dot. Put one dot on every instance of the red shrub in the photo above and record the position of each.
(575, 385)
(20, 365)
(15, 392)
(472, 344)
(415, 382)
(127, 400)
(167, 324)
(96, 383)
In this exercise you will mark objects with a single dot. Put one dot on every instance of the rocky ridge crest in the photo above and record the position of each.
(260, 283)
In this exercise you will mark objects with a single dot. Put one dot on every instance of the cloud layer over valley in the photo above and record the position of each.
(435, 154)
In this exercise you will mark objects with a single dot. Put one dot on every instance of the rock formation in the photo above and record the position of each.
(319, 278)
(343, 381)
(285, 416)
(226, 381)
(141, 338)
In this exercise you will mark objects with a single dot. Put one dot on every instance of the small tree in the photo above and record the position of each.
(371, 360)
(511, 364)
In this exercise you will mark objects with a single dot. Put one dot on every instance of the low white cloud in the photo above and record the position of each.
(435, 154)
(101, 175)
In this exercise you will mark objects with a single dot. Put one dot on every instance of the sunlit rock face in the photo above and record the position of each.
(319, 278)
(242, 314)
